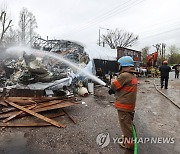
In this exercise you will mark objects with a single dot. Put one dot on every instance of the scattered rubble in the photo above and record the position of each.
(31, 85)
(42, 72)
(13, 106)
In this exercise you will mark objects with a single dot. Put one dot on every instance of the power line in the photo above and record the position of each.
(165, 32)
(166, 22)
(107, 16)
(103, 14)
(115, 13)
(159, 28)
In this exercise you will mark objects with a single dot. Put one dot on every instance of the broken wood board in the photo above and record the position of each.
(55, 115)
(55, 123)
(69, 116)
(21, 100)
(18, 113)
(32, 124)
(55, 106)
(24, 125)
(30, 100)
(7, 109)
(3, 103)
(39, 109)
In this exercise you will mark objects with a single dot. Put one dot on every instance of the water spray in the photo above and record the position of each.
(20, 50)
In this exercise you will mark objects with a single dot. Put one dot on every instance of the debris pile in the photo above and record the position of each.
(33, 84)
(33, 71)
(35, 104)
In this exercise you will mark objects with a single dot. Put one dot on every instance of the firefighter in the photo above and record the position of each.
(153, 71)
(125, 90)
(164, 69)
(177, 69)
(158, 73)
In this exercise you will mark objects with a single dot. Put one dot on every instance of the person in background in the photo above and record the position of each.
(153, 71)
(125, 90)
(164, 69)
(158, 73)
(177, 71)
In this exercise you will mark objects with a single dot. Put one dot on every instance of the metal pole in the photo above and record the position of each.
(99, 37)
(100, 34)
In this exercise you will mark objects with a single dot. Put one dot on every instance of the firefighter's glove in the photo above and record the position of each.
(111, 92)
(108, 86)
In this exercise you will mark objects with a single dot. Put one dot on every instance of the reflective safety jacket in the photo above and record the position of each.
(125, 87)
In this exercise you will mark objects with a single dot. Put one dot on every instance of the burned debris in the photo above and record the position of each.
(32, 84)
(31, 68)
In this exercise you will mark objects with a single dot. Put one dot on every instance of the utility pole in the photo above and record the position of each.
(163, 51)
(99, 37)
(158, 49)
(100, 34)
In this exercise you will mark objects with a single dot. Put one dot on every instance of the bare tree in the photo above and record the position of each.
(5, 25)
(160, 48)
(118, 38)
(11, 37)
(145, 52)
(27, 24)
(174, 54)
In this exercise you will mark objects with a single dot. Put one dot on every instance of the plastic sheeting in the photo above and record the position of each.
(98, 52)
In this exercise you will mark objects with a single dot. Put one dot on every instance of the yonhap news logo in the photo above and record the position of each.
(103, 140)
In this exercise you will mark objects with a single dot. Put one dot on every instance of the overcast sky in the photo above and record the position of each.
(155, 21)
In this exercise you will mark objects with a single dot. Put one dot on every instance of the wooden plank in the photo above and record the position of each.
(7, 109)
(49, 103)
(24, 125)
(18, 113)
(6, 115)
(22, 100)
(32, 124)
(55, 115)
(38, 100)
(55, 123)
(3, 103)
(38, 109)
(55, 106)
(69, 116)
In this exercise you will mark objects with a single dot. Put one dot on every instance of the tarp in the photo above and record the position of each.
(98, 52)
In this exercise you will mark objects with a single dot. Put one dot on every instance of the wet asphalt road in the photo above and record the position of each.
(155, 117)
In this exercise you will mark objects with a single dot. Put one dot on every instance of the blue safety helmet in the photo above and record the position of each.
(126, 61)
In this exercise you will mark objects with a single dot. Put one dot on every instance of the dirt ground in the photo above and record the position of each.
(155, 117)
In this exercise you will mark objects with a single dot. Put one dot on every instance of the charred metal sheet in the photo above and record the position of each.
(26, 93)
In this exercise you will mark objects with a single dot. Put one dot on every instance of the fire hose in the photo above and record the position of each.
(135, 140)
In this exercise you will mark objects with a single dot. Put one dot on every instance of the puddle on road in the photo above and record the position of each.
(13, 143)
